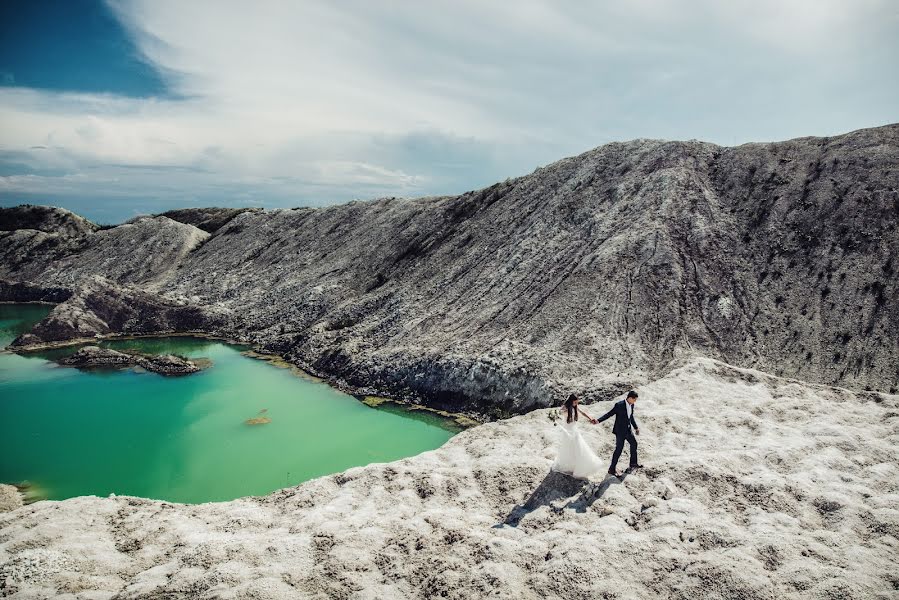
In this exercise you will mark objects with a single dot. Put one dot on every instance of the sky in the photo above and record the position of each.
(119, 108)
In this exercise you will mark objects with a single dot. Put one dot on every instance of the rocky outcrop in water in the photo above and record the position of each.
(755, 487)
(164, 364)
(590, 274)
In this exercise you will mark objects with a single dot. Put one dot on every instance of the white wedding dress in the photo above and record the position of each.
(575, 457)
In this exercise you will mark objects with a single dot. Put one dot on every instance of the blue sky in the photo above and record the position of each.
(71, 45)
(120, 108)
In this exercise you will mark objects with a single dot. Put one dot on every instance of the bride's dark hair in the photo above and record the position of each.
(569, 406)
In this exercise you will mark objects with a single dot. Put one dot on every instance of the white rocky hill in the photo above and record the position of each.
(755, 487)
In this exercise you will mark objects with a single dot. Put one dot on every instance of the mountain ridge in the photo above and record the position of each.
(591, 274)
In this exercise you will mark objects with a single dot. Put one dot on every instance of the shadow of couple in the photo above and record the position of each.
(556, 486)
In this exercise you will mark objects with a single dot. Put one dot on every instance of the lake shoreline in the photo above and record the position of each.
(464, 420)
(272, 429)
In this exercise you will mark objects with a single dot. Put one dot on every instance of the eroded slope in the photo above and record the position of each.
(591, 274)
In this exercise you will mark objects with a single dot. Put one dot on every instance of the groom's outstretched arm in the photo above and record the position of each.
(606, 416)
(634, 422)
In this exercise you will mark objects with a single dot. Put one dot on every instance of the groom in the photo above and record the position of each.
(624, 419)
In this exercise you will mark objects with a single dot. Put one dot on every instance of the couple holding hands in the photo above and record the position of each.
(576, 458)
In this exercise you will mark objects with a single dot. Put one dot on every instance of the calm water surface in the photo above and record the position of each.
(185, 439)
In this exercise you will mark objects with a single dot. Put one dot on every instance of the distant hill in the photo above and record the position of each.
(592, 274)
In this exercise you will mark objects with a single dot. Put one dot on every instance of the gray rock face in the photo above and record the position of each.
(48, 219)
(101, 307)
(591, 274)
(25, 292)
(207, 219)
(164, 364)
(142, 251)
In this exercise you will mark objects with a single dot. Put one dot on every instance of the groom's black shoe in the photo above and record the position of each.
(633, 468)
(614, 474)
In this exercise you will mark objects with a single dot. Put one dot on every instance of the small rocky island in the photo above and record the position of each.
(90, 357)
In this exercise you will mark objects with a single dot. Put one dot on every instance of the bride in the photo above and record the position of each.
(575, 457)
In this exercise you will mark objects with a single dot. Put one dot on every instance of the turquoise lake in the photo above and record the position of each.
(185, 439)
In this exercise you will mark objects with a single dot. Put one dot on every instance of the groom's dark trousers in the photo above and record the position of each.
(619, 446)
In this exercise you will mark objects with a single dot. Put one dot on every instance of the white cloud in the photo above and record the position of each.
(353, 98)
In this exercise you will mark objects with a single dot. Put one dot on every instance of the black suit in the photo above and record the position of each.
(622, 430)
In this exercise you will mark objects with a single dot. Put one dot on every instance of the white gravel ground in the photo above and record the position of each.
(754, 487)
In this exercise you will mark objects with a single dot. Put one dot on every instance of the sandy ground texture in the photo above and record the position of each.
(10, 499)
(754, 487)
